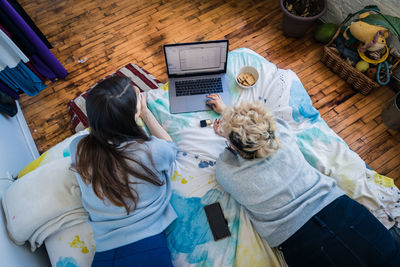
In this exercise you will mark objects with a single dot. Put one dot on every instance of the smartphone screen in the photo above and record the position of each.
(216, 220)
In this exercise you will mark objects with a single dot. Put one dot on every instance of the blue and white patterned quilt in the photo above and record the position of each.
(193, 174)
(193, 177)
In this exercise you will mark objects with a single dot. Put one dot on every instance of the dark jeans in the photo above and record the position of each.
(344, 233)
(148, 252)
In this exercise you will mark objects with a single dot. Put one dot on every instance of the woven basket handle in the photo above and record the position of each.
(365, 9)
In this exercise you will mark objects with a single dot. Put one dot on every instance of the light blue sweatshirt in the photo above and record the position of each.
(112, 227)
(280, 193)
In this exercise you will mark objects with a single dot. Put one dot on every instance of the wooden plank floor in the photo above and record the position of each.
(110, 34)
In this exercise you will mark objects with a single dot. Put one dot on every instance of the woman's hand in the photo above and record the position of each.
(152, 124)
(217, 104)
(218, 128)
(143, 103)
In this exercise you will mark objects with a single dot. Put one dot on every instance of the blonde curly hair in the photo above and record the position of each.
(250, 128)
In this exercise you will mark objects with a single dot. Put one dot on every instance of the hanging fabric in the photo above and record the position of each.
(30, 64)
(43, 68)
(25, 58)
(11, 55)
(5, 31)
(32, 67)
(35, 64)
(7, 105)
(13, 72)
(20, 40)
(29, 21)
(5, 89)
(42, 51)
(21, 78)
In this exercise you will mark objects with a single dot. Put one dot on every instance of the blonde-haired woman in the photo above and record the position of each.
(292, 205)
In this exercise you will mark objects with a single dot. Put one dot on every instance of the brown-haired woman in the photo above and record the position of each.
(124, 177)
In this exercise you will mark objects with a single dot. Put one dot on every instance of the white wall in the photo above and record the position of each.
(339, 9)
(17, 147)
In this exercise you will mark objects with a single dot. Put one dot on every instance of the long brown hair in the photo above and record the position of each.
(101, 158)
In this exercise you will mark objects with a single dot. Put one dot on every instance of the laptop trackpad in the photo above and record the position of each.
(189, 104)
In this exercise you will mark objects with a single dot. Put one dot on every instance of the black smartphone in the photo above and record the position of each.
(216, 220)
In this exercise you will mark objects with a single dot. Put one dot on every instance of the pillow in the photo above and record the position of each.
(61, 150)
(42, 202)
(139, 77)
(17, 255)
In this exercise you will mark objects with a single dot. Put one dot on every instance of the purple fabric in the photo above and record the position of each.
(42, 68)
(48, 58)
(36, 64)
(34, 70)
(8, 91)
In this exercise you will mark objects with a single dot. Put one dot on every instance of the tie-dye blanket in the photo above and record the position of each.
(193, 175)
(194, 182)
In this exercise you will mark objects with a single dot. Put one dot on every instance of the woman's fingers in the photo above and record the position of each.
(217, 103)
(137, 89)
(143, 101)
(213, 103)
(216, 125)
(143, 98)
(211, 96)
(214, 96)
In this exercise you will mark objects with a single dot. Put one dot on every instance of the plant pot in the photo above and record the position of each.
(297, 26)
(391, 114)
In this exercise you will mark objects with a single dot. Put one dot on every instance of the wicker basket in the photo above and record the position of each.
(359, 81)
(351, 75)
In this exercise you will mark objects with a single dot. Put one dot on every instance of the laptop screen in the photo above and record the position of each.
(196, 58)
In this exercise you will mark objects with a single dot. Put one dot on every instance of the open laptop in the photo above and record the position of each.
(196, 70)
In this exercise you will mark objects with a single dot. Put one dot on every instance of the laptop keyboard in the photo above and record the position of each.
(198, 87)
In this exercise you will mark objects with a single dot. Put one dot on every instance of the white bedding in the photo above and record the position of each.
(194, 180)
(193, 174)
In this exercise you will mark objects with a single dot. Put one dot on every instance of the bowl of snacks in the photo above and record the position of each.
(247, 77)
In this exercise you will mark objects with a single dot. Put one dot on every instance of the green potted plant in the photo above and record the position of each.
(299, 15)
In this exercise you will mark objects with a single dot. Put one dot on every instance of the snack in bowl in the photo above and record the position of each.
(247, 77)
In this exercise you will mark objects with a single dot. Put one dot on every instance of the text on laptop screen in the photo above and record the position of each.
(196, 58)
